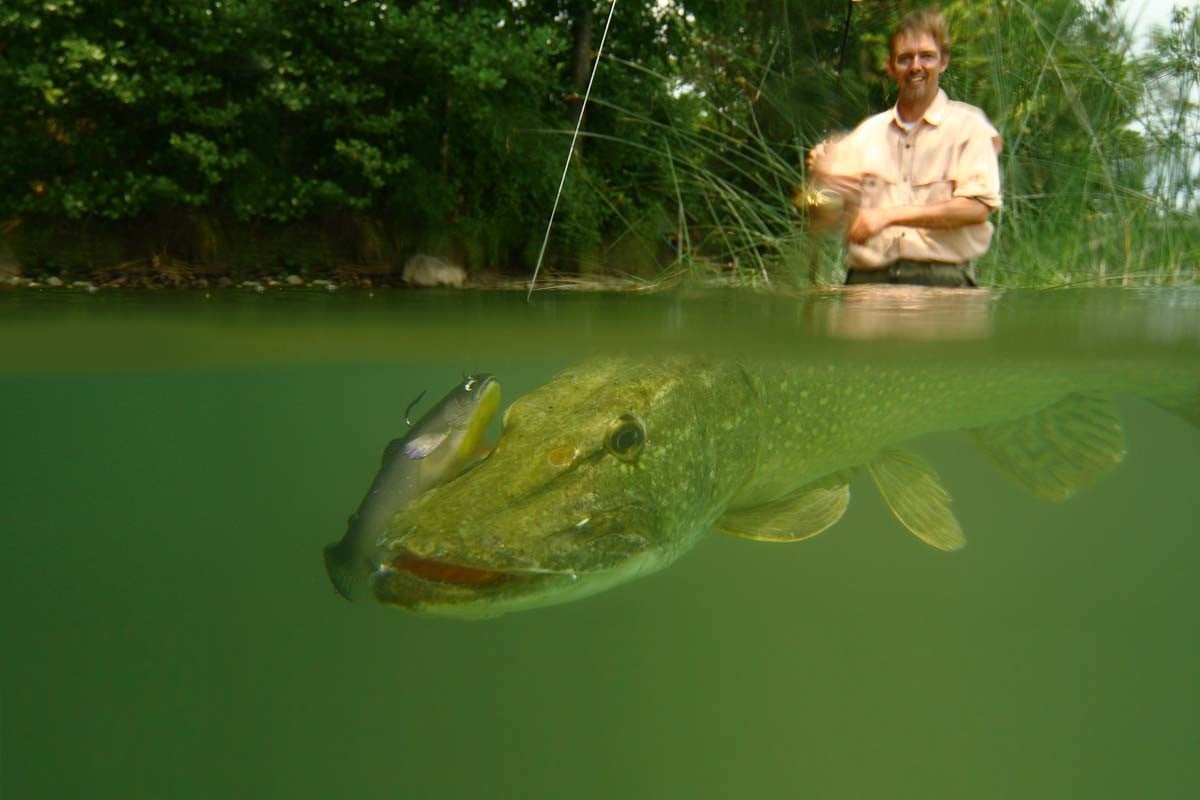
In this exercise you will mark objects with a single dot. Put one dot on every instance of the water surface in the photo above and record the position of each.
(173, 465)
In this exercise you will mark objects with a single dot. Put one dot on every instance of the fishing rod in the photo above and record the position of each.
(845, 38)
(813, 200)
(571, 152)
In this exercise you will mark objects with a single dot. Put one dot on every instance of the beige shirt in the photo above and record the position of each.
(951, 152)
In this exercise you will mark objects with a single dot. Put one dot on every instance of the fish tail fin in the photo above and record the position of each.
(339, 563)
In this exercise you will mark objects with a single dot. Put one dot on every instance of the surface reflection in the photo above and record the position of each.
(912, 313)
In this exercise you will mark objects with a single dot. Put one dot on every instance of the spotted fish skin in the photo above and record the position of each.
(617, 466)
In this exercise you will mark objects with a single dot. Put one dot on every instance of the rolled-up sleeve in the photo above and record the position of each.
(976, 173)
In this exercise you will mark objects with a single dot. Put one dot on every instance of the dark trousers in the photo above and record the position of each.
(919, 273)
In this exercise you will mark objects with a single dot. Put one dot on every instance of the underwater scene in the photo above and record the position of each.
(867, 542)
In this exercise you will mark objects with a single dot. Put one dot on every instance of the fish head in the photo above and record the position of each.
(601, 475)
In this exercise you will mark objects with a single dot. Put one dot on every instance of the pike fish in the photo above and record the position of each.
(618, 466)
(435, 449)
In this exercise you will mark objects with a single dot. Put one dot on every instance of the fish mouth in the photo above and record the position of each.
(445, 588)
(434, 571)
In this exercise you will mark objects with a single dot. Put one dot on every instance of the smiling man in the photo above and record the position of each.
(922, 177)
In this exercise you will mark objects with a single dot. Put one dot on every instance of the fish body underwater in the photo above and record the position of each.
(436, 448)
(618, 466)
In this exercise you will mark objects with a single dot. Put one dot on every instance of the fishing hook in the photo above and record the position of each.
(416, 400)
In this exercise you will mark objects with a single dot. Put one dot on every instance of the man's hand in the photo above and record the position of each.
(819, 158)
(868, 222)
(821, 162)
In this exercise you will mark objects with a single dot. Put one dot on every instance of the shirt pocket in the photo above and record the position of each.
(930, 185)
(880, 176)
(876, 191)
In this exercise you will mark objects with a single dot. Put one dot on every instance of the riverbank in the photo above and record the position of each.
(176, 280)
(334, 253)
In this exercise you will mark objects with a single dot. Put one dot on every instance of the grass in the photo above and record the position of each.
(1088, 202)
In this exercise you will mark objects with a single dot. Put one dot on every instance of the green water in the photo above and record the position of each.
(173, 465)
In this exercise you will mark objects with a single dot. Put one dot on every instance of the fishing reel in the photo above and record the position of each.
(822, 205)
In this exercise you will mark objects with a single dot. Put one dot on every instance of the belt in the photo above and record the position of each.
(920, 273)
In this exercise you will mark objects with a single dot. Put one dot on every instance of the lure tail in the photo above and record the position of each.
(339, 563)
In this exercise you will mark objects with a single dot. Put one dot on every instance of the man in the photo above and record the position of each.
(922, 177)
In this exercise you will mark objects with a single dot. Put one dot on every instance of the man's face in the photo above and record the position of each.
(915, 65)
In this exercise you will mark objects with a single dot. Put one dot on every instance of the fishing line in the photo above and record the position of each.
(408, 421)
(578, 123)
(811, 198)
(845, 39)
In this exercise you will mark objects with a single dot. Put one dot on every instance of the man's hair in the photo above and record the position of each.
(929, 21)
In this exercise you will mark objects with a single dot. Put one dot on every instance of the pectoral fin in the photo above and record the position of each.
(1058, 450)
(423, 445)
(915, 495)
(799, 515)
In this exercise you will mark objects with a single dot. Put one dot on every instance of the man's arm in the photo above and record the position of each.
(822, 166)
(953, 213)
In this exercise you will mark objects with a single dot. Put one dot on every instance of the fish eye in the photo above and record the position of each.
(625, 437)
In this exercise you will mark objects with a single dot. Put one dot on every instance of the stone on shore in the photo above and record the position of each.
(426, 270)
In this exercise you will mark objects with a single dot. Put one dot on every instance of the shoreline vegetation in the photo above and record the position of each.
(274, 143)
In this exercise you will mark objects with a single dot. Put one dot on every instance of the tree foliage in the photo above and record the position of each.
(445, 119)
(444, 124)
(1171, 108)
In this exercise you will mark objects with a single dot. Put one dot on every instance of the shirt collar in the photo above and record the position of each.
(933, 115)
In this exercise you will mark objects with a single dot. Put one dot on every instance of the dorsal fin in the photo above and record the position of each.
(393, 448)
(1058, 450)
(799, 515)
(916, 497)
